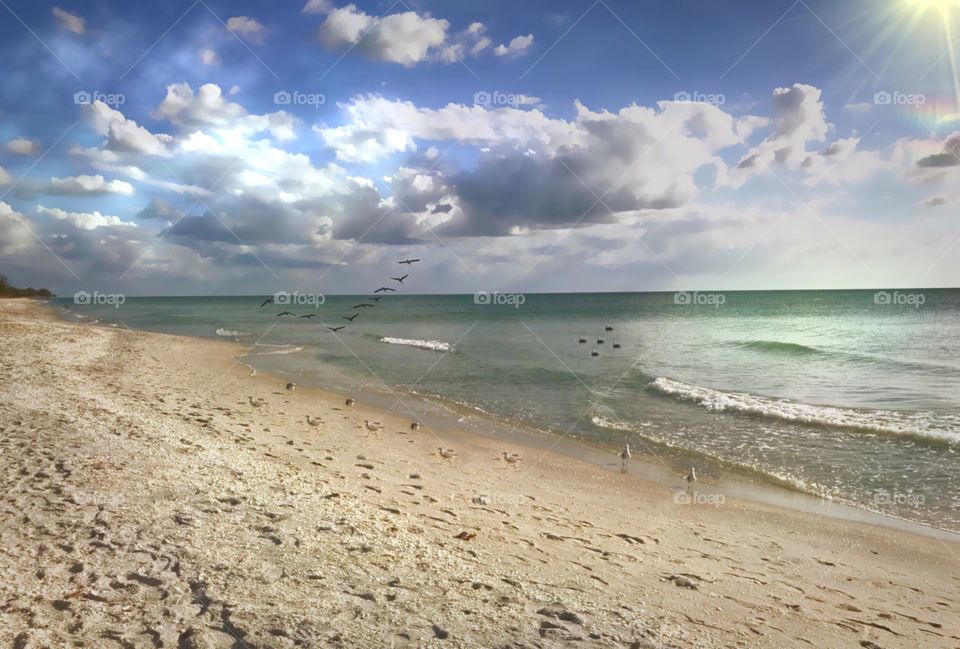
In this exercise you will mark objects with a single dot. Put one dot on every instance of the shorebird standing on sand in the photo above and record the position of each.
(625, 455)
(290, 386)
(373, 426)
(255, 404)
(350, 401)
(446, 454)
(512, 459)
(313, 423)
(414, 425)
(691, 478)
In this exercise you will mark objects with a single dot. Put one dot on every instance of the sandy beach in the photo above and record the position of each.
(157, 495)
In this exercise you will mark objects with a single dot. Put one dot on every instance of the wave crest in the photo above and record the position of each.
(923, 426)
(431, 345)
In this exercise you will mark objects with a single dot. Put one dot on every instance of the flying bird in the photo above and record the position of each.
(408, 261)
(599, 341)
(286, 313)
(336, 329)
(376, 298)
(384, 289)
(269, 300)
(309, 315)
(364, 305)
(351, 318)
(400, 279)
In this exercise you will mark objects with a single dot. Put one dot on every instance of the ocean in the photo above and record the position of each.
(853, 396)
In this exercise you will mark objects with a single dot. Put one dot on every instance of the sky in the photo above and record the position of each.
(204, 147)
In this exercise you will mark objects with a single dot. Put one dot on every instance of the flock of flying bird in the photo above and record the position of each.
(376, 297)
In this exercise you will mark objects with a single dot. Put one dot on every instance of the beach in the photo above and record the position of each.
(158, 495)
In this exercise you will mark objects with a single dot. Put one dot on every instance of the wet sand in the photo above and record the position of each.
(159, 496)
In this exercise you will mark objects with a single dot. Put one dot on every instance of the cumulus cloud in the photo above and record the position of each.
(70, 22)
(5, 178)
(81, 185)
(318, 7)
(246, 27)
(208, 108)
(515, 47)
(208, 57)
(406, 38)
(798, 119)
(124, 135)
(23, 146)
(949, 157)
(86, 220)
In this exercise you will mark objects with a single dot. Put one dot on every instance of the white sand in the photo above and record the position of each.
(148, 504)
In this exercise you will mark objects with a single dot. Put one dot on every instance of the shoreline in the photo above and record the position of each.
(299, 529)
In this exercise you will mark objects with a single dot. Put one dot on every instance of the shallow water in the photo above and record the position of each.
(836, 393)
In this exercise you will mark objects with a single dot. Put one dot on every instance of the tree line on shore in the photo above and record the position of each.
(9, 290)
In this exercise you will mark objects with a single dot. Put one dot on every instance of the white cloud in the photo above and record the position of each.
(124, 135)
(208, 56)
(80, 185)
(318, 7)
(70, 22)
(406, 38)
(5, 178)
(246, 27)
(23, 146)
(516, 47)
(86, 220)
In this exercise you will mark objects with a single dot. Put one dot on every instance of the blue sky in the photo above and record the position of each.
(513, 146)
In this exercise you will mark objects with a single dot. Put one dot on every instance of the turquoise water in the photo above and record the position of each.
(842, 394)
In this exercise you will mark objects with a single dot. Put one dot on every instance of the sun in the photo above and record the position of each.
(925, 5)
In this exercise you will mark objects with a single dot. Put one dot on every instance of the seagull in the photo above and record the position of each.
(384, 289)
(350, 401)
(269, 300)
(408, 261)
(311, 422)
(582, 339)
(363, 305)
(400, 279)
(511, 458)
(414, 425)
(625, 455)
(373, 426)
(691, 478)
(446, 453)
(351, 318)
(286, 313)
(309, 315)
(253, 371)
(616, 345)
(255, 404)
(336, 329)
(291, 386)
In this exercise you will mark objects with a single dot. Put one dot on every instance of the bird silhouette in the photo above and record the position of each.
(408, 261)
(269, 300)
(351, 318)
(336, 329)
(384, 289)
(309, 315)
(376, 298)
(286, 313)
(400, 279)
(363, 305)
